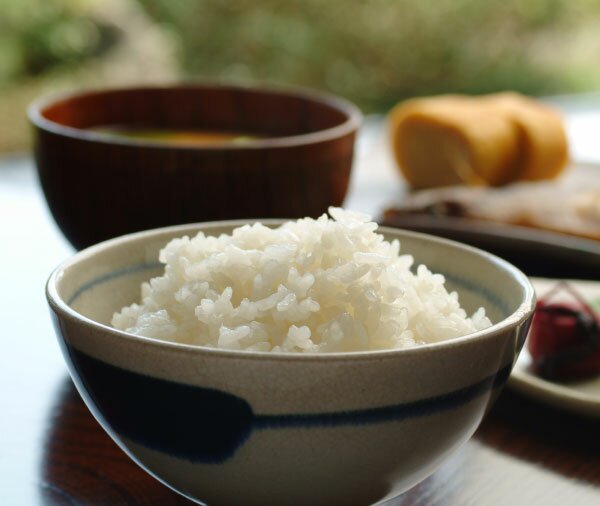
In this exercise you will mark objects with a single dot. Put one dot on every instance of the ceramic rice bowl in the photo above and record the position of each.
(252, 428)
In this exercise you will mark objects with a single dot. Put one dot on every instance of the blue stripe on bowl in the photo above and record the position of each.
(126, 271)
(209, 426)
(397, 412)
(471, 286)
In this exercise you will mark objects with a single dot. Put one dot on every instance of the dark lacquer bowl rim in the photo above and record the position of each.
(517, 318)
(35, 113)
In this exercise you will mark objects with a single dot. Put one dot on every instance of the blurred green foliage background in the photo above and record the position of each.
(374, 52)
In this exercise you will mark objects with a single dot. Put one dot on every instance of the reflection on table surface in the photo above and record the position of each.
(53, 452)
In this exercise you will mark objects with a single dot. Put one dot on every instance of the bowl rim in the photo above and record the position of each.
(523, 312)
(351, 124)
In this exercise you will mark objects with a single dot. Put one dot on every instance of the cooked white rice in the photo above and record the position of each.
(320, 285)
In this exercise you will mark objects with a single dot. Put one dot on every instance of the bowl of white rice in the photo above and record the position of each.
(317, 361)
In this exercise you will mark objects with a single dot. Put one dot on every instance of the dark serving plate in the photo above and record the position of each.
(535, 252)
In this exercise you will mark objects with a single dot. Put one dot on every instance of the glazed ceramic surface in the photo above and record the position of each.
(232, 427)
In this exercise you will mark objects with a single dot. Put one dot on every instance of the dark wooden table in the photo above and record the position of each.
(52, 452)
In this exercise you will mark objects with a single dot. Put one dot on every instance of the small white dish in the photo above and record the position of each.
(581, 397)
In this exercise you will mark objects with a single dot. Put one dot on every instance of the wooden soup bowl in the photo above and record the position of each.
(99, 185)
